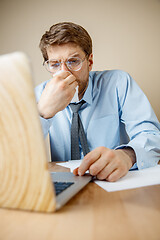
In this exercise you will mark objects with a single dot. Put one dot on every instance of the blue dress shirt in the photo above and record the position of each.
(116, 114)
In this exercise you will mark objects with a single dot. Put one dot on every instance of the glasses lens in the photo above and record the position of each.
(52, 65)
(74, 63)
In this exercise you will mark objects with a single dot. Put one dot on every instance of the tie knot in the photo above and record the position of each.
(76, 106)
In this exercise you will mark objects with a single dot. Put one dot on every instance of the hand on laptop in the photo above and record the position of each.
(107, 164)
(57, 94)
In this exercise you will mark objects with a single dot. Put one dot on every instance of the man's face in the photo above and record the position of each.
(63, 52)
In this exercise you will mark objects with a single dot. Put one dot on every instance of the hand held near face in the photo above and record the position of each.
(75, 98)
(57, 94)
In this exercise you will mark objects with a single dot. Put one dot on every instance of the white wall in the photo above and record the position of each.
(125, 33)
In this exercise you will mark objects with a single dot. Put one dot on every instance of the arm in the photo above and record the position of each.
(142, 128)
(141, 123)
(53, 96)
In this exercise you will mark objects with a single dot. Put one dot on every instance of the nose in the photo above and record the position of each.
(64, 66)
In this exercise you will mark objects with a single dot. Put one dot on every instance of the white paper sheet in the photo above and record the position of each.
(72, 164)
(133, 179)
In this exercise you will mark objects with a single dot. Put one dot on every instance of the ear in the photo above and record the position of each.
(90, 61)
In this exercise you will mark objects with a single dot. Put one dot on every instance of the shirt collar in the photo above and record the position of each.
(88, 93)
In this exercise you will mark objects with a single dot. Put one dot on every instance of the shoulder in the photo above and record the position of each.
(110, 77)
(108, 74)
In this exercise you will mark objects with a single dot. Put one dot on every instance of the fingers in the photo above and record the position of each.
(65, 77)
(66, 82)
(57, 94)
(95, 161)
(106, 171)
(70, 80)
(61, 74)
(115, 175)
(108, 175)
(111, 172)
(104, 161)
(105, 164)
(75, 171)
(88, 160)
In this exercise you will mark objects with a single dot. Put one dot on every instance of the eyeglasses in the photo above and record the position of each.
(72, 63)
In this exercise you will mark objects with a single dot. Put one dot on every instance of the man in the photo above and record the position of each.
(121, 128)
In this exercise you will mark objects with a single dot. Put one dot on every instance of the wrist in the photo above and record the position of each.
(131, 153)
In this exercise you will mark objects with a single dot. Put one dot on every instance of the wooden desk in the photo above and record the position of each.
(92, 214)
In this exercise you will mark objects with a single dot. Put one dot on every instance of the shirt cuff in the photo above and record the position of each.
(144, 158)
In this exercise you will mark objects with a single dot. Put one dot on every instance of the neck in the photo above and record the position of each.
(80, 95)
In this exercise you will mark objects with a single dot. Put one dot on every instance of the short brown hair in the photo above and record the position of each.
(66, 32)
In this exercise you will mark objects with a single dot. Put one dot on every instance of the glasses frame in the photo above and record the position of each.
(46, 64)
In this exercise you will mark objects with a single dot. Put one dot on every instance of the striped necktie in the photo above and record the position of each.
(77, 132)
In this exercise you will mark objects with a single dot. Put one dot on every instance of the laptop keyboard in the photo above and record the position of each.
(61, 186)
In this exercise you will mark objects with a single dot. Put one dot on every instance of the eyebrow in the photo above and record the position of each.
(75, 55)
(72, 55)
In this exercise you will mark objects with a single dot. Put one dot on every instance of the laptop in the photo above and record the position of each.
(25, 180)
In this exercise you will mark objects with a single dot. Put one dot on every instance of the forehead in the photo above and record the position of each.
(63, 51)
